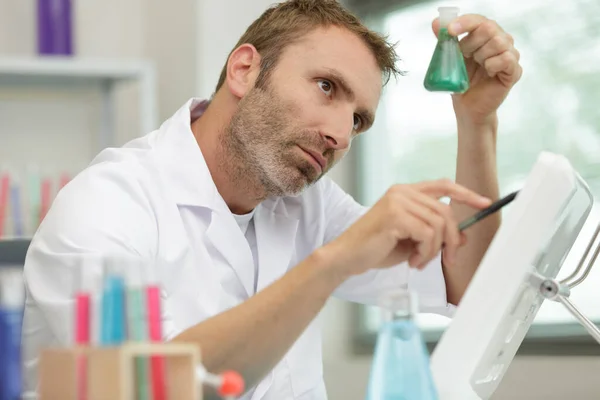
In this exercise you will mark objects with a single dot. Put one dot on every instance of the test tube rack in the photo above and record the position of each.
(110, 371)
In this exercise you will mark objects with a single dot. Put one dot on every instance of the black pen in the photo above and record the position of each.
(487, 211)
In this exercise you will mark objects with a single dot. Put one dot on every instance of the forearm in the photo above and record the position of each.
(476, 170)
(251, 338)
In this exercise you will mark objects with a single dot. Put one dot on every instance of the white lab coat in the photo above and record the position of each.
(154, 198)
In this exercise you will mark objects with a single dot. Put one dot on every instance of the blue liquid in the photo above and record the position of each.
(10, 354)
(113, 311)
(400, 369)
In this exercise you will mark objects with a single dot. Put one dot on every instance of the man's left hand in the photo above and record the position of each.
(492, 64)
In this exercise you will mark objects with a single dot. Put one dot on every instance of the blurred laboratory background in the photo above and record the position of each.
(121, 67)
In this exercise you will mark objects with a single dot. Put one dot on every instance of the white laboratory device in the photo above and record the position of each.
(517, 273)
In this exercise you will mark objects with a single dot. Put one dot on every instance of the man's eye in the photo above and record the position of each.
(325, 86)
(357, 123)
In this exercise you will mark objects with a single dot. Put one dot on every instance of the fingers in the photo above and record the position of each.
(441, 218)
(466, 23)
(486, 41)
(494, 46)
(502, 63)
(435, 26)
(430, 240)
(505, 67)
(421, 233)
(451, 236)
(414, 212)
(478, 35)
(458, 193)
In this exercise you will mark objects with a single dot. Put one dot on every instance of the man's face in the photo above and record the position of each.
(294, 128)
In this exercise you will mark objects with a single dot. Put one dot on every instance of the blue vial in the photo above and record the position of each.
(400, 369)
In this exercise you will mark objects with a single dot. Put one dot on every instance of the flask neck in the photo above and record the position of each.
(398, 305)
(447, 15)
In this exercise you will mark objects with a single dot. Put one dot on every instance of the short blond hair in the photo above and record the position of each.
(286, 22)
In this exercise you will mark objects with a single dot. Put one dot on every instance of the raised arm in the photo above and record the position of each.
(493, 66)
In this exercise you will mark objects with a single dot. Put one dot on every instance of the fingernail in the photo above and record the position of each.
(456, 28)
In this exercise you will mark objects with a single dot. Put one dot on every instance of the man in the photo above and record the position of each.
(227, 204)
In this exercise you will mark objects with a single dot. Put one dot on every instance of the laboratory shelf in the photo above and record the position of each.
(61, 70)
(105, 74)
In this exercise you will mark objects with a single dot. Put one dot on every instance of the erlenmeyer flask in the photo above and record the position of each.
(400, 369)
(447, 71)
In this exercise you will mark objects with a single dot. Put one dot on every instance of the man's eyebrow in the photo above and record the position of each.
(367, 115)
(342, 83)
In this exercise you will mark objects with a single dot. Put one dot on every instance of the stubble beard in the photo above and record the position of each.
(257, 149)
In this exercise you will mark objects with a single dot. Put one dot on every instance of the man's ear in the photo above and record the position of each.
(243, 68)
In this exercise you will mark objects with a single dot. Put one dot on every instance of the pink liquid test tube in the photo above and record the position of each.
(83, 317)
(82, 338)
(157, 365)
(4, 188)
(64, 179)
(46, 200)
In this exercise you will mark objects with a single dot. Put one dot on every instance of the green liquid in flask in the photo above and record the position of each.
(447, 71)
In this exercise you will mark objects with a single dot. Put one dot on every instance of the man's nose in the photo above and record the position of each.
(338, 136)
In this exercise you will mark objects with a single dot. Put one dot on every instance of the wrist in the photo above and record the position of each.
(466, 123)
(331, 264)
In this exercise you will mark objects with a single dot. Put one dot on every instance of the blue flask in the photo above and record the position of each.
(400, 369)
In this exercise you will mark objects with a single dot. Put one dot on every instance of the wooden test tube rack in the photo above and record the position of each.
(111, 371)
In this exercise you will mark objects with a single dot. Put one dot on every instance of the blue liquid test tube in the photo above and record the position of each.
(112, 331)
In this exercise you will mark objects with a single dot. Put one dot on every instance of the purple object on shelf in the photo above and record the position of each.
(55, 27)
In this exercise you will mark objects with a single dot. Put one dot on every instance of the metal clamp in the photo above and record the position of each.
(554, 290)
(572, 280)
(560, 291)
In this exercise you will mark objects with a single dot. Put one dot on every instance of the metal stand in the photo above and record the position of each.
(559, 291)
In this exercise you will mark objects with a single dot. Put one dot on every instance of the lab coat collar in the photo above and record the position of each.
(183, 164)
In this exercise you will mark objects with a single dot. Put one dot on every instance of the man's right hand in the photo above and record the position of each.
(409, 223)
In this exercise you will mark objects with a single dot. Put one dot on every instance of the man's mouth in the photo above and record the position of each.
(315, 158)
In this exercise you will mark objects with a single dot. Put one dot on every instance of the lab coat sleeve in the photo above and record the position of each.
(103, 211)
(341, 212)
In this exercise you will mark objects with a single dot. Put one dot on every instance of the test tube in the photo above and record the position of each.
(157, 364)
(16, 209)
(46, 193)
(112, 330)
(88, 276)
(12, 300)
(82, 294)
(137, 327)
(4, 189)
